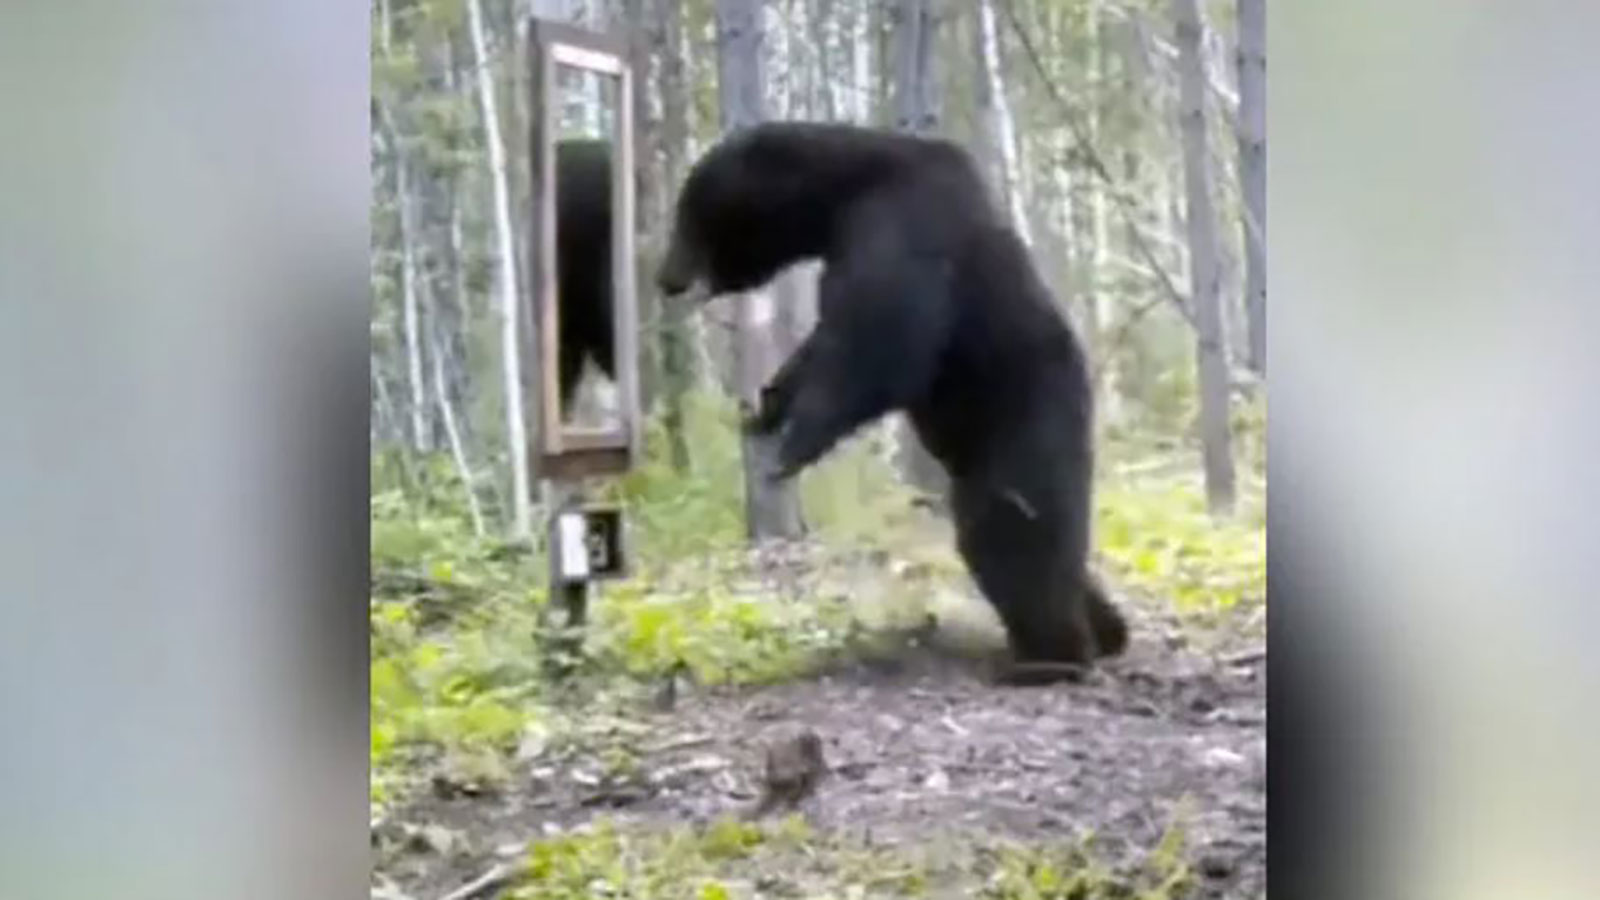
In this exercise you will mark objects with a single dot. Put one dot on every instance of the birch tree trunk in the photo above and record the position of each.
(411, 314)
(788, 92)
(1252, 62)
(1000, 130)
(650, 190)
(916, 86)
(1135, 75)
(384, 427)
(505, 284)
(1067, 189)
(457, 191)
(678, 353)
(772, 509)
(862, 39)
(1099, 299)
(402, 460)
(458, 450)
(819, 14)
(1171, 191)
(779, 72)
(463, 304)
(1215, 437)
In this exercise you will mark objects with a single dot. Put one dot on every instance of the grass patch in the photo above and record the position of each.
(730, 860)
(1153, 534)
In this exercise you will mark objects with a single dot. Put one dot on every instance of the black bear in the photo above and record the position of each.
(583, 260)
(929, 304)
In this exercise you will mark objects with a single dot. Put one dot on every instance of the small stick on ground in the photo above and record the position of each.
(387, 890)
(492, 880)
(1245, 658)
(686, 742)
(954, 726)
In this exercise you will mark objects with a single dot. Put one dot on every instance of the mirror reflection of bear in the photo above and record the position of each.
(583, 262)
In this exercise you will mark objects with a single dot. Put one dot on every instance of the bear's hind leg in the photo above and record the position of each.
(1018, 565)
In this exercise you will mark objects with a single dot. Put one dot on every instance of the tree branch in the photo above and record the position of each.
(1096, 164)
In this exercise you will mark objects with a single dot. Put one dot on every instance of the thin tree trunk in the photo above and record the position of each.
(442, 347)
(409, 316)
(820, 18)
(772, 509)
(458, 256)
(1252, 63)
(1173, 189)
(382, 405)
(1099, 299)
(778, 75)
(411, 312)
(396, 449)
(881, 26)
(999, 127)
(385, 26)
(459, 297)
(458, 340)
(516, 424)
(788, 93)
(862, 41)
(423, 315)
(643, 34)
(689, 55)
(916, 85)
(1136, 76)
(458, 450)
(1067, 190)
(1215, 436)
(678, 354)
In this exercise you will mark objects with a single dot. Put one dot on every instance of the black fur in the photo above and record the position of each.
(583, 259)
(929, 304)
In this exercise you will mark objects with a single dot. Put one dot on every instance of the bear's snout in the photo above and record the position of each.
(677, 272)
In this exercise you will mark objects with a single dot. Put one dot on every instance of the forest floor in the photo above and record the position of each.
(1146, 779)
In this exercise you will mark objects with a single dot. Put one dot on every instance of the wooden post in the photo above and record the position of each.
(569, 570)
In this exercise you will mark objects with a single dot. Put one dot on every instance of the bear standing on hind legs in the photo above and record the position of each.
(928, 304)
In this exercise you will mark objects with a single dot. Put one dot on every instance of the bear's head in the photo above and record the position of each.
(752, 205)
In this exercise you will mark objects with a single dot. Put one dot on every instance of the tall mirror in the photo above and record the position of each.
(585, 159)
(583, 252)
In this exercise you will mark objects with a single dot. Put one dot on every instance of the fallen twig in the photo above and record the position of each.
(954, 726)
(387, 890)
(492, 880)
(1245, 658)
(683, 743)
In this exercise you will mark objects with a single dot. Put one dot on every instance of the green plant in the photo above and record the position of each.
(1154, 534)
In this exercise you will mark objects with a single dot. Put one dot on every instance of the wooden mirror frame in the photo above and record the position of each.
(569, 451)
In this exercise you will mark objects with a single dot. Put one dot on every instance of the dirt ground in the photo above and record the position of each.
(923, 750)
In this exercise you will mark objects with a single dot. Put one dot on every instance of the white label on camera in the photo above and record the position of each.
(574, 553)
